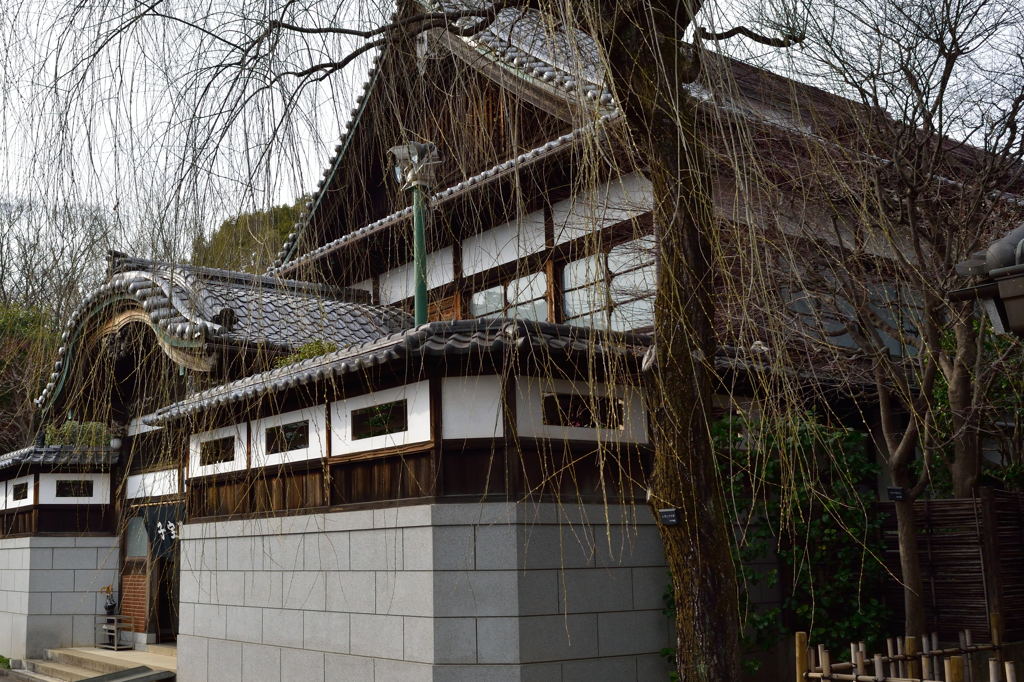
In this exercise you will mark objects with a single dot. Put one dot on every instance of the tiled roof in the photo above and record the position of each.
(59, 455)
(1005, 252)
(521, 40)
(435, 339)
(516, 163)
(192, 306)
(332, 166)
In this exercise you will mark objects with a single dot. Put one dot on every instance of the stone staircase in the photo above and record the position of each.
(158, 662)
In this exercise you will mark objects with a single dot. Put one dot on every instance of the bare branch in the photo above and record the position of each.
(781, 41)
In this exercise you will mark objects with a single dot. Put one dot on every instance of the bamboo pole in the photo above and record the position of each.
(955, 669)
(994, 672)
(802, 666)
(826, 661)
(968, 663)
(901, 666)
(879, 666)
(911, 649)
(1011, 671)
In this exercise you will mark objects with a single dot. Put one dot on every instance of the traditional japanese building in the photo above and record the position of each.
(463, 499)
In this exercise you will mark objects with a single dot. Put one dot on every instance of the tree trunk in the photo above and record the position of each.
(966, 465)
(910, 569)
(650, 72)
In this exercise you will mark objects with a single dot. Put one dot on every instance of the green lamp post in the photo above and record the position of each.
(414, 169)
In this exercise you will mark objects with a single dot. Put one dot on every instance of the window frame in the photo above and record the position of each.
(418, 419)
(316, 436)
(88, 490)
(505, 283)
(606, 280)
(196, 469)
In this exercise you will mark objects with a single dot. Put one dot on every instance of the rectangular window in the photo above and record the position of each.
(74, 488)
(580, 411)
(20, 491)
(217, 451)
(521, 298)
(288, 437)
(380, 420)
(612, 290)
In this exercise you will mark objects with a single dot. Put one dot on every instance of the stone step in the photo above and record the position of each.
(22, 675)
(96, 663)
(59, 671)
(162, 649)
(105, 661)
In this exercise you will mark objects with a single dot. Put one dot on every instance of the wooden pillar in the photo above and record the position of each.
(800, 641)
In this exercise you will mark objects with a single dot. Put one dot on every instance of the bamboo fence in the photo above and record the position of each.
(971, 553)
(907, 659)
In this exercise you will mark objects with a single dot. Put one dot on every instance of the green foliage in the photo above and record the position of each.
(999, 399)
(25, 323)
(27, 345)
(306, 351)
(248, 242)
(85, 434)
(802, 491)
(5, 663)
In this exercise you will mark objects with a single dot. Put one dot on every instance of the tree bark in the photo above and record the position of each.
(966, 465)
(650, 70)
(910, 569)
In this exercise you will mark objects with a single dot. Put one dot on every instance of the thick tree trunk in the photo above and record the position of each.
(685, 473)
(650, 72)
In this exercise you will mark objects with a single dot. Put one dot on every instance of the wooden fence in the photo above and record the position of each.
(972, 555)
(907, 659)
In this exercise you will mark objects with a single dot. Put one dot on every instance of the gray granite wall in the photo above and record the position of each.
(430, 592)
(49, 591)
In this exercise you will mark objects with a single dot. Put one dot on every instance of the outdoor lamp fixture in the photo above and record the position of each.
(414, 170)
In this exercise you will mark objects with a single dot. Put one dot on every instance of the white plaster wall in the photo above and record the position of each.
(317, 417)
(503, 244)
(417, 396)
(100, 489)
(152, 484)
(471, 407)
(493, 591)
(365, 285)
(238, 463)
(28, 501)
(530, 418)
(398, 284)
(49, 591)
(628, 196)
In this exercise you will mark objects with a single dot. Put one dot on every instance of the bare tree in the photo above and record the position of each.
(924, 171)
(223, 65)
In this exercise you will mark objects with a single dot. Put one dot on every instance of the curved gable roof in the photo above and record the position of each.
(192, 308)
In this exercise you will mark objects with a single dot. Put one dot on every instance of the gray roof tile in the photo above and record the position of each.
(432, 340)
(196, 306)
(57, 456)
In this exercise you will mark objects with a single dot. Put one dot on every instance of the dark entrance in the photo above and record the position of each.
(165, 585)
(162, 522)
